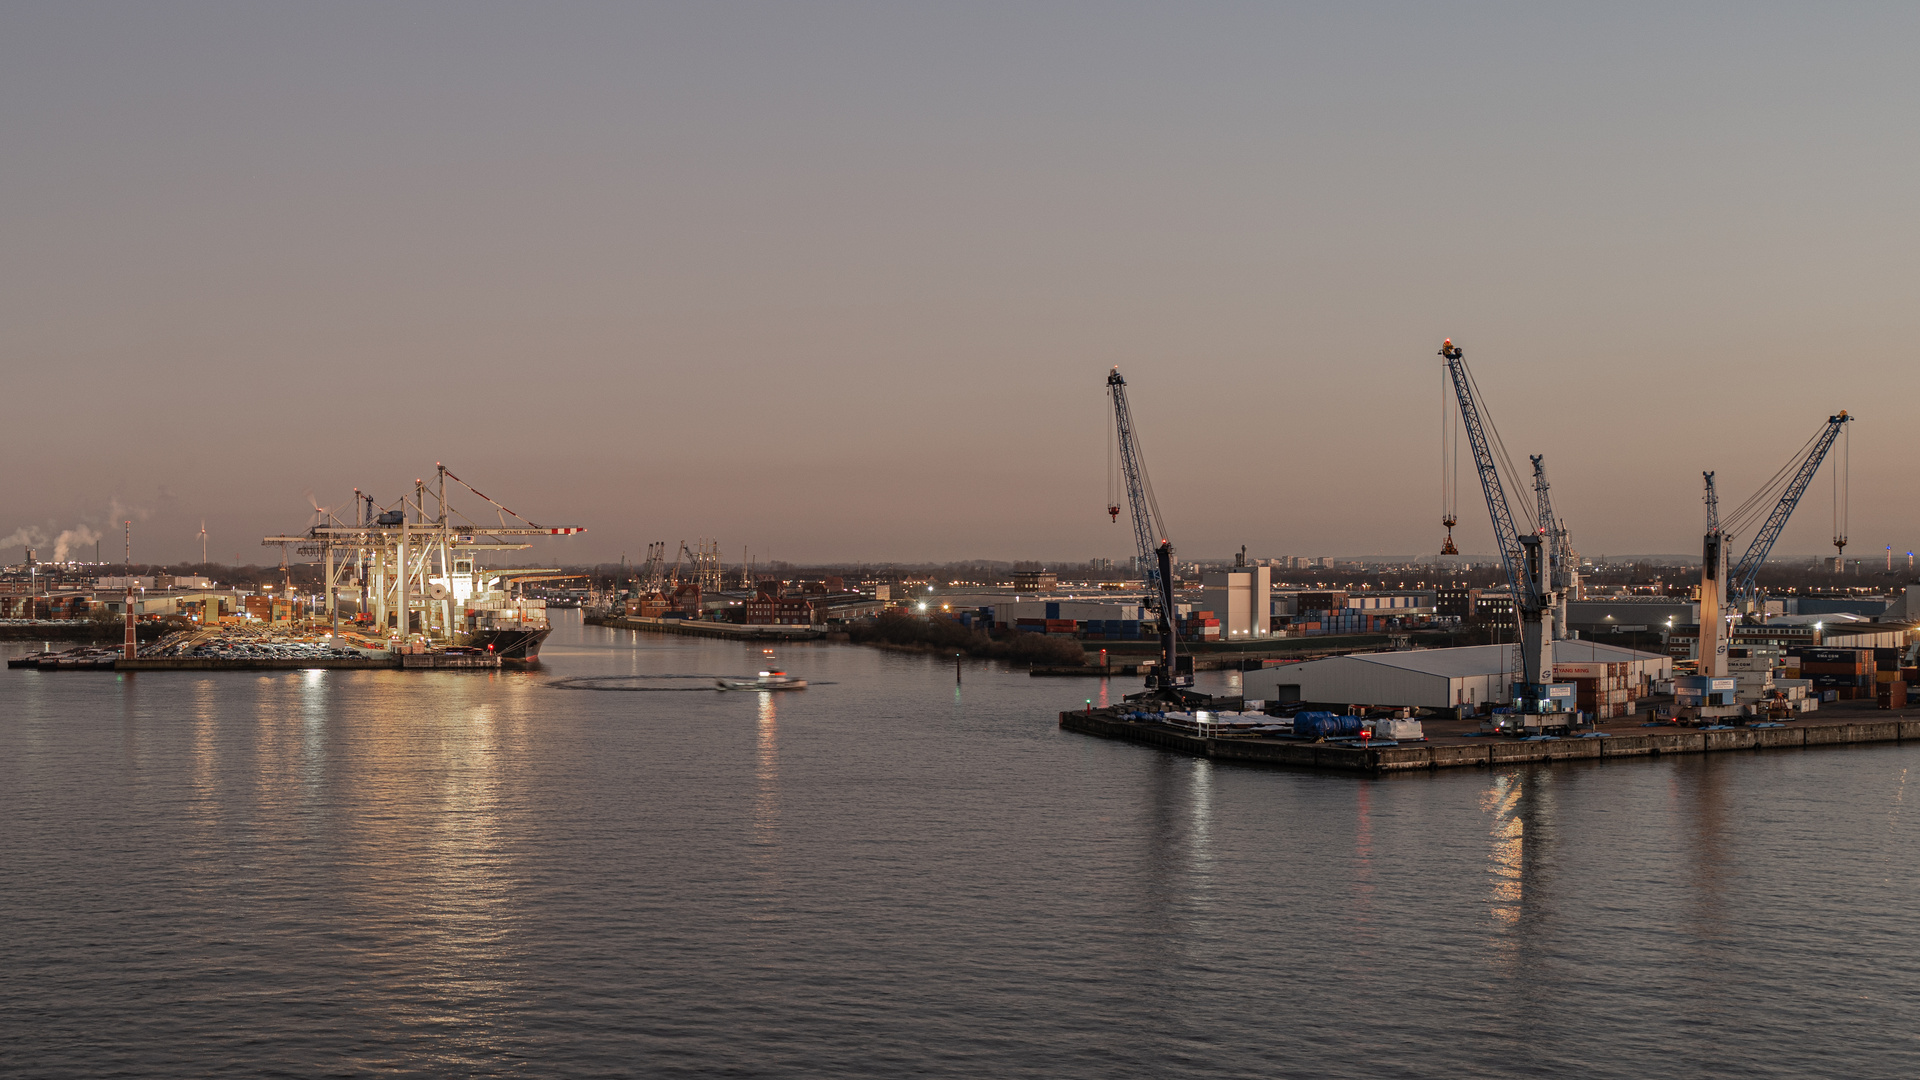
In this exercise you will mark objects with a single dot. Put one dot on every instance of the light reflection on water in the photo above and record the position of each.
(474, 874)
(766, 774)
(1505, 863)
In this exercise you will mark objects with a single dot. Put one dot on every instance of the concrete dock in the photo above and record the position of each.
(1450, 745)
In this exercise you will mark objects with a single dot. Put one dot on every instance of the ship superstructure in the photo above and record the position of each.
(415, 572)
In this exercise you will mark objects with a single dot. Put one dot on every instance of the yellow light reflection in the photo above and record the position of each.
(1509, 846)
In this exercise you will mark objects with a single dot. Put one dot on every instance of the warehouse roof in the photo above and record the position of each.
(1471, 660)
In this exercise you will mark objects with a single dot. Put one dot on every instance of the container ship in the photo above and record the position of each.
(413, 572)
(511, 627)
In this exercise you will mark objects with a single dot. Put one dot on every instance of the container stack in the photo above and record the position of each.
(1602, 690)
(1892, 695)
(1754, 666)
(1112, 629)
(1887, 670)
(1335, 621)
(1848, 673)
(1200, 626)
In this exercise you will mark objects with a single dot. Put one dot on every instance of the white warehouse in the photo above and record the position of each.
(1428, 678)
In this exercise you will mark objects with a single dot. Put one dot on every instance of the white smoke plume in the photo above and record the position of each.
(26, 536)
(126, 511)
(79, 535)
(75, 541)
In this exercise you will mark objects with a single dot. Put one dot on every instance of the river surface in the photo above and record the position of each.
(894, 873)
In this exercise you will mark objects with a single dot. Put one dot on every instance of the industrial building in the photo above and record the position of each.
(1241, 598)
(1476, 675)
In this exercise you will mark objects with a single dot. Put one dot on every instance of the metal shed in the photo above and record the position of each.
(1426, 678)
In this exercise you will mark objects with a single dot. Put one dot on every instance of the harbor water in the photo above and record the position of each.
(605, 868)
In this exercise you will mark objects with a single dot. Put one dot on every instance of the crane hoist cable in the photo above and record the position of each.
(1842, 496)
(1449, 463)
(1514, 478)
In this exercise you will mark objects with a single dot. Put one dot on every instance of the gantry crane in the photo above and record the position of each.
(405, 567)
(1521, 554)
(1795, 475)
(1153, 549)
(653, 576)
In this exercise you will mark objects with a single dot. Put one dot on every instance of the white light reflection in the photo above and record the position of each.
(764, 860)
(766, 774)
(313, 731)
(1509, 845)
(1200, 858)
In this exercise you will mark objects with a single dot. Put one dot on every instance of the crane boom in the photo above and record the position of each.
(1747, 571)
(1505, 534)
(1148, 529)
(1156, 555)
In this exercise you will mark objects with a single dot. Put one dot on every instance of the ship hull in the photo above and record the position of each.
(520, 645)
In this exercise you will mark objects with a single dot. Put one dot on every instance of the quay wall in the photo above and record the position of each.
(221, 663)
(420, 662)
(1491, 751)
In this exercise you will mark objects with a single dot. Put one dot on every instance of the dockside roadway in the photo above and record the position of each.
(1461, 750)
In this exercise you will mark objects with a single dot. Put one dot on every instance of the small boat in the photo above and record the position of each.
(771, 679)
(766, 680)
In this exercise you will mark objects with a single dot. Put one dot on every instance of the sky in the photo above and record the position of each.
(843, 282)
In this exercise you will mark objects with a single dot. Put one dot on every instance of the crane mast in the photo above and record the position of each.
(1561, 572)
(1712, 650)
(1521, 555)
(1152, 548)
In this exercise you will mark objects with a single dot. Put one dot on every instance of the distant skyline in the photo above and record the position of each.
(842, 282)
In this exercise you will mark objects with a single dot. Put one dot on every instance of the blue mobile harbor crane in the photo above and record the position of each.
(1539, 701)
(1174, 674)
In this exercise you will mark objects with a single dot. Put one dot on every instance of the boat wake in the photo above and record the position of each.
(625, 682)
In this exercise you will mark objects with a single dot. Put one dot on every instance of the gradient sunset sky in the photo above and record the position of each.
(843, 281)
